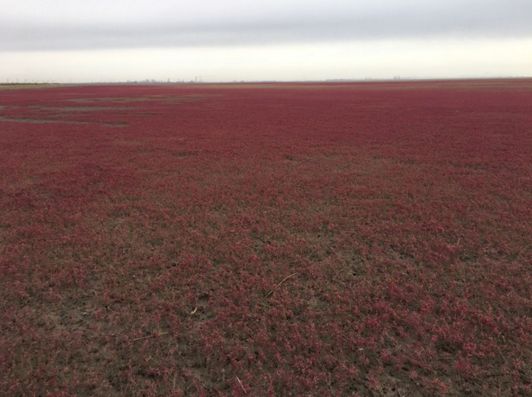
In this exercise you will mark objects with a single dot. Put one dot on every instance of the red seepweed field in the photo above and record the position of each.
(267, 239)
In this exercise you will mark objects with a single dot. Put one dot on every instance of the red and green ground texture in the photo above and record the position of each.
(266, 240)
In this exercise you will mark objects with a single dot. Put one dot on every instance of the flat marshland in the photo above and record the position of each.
(266, 239)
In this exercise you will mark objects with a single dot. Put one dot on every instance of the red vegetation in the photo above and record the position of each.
(342, 239)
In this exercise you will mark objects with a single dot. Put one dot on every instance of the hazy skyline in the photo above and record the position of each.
(275, 40)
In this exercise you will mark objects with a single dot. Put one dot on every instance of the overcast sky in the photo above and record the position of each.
(74, 40)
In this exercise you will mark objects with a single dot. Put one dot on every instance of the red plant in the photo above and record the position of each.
(302, 239)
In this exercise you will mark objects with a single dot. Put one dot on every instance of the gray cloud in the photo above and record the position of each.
(63, 24)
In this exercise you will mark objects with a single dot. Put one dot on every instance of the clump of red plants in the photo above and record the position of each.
(282, 239)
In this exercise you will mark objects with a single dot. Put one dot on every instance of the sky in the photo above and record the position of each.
(234, 40)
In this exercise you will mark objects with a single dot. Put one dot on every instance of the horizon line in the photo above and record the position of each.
(396, 79)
